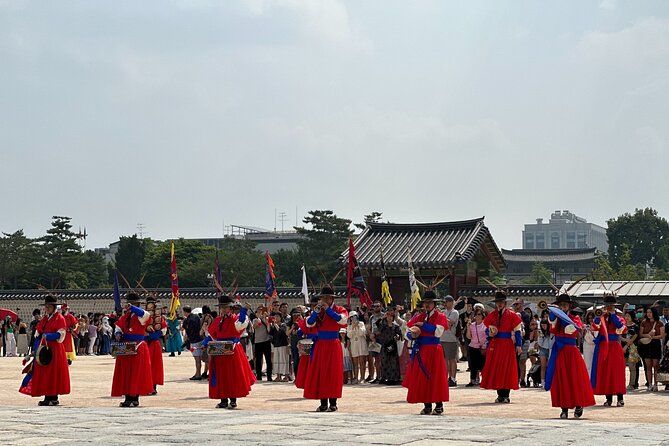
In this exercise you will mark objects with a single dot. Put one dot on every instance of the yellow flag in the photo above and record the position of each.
(174, 302)
(385, 293)
(413, 286)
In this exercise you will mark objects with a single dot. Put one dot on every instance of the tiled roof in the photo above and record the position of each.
(648, 288)
(432, 245)
(511, 290)
(549, 255)
(163, 293)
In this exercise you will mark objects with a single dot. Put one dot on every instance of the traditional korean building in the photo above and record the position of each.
(461, 250)
(640, 292)
(565, 264)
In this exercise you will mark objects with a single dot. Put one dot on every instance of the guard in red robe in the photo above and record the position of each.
(52, 379)
(426, 378)
(566, 375)
(132, 373)
(324, 378)
(155, 347)
(306, 333)
(71, 323)
(230, 376)
(610, 374)
(501, 366)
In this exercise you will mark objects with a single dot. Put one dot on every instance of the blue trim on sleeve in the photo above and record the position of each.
(136, 311)
(519, 339)
(206, 341)
(333, 314)
(312, 318)
(155, 335)
(551, 316)
(242, 315)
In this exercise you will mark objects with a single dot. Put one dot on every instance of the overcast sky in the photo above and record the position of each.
(186, 115)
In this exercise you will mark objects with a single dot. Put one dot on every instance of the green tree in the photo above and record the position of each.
(540, 275)
(60, 253)
(374, 217)
(16, 251)
(644, 233)
(130, 256)
(325, 241)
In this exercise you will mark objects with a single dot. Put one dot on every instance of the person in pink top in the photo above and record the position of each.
(478, 344)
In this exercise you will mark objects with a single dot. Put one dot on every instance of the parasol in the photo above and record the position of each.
(4, 313)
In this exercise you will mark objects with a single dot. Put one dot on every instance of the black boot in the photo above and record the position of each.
(333, 405)
(578, 412)
(324, 405)
(223, 404)
(621, 402)
(427, 410)
(438, 408)
(233, 403)
(126, 402)
(135, 401)
(564, 414)
(609, 400)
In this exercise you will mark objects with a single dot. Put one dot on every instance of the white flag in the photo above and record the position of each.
(305, 288)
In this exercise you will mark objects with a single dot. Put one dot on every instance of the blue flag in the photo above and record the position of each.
(117, 296)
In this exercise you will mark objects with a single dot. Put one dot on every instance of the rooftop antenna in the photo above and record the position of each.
(140, 230)
(282, 219)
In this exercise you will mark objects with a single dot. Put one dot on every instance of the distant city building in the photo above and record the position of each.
(565, 264)
(565, 230)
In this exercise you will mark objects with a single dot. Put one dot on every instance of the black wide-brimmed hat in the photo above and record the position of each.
(430, 296)
(132, 297)
(327, 290)
(51, 300)
(610, 299)
(225, 301)
(563, 298)
(500, 296)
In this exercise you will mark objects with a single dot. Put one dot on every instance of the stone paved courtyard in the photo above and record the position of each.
(275, 413)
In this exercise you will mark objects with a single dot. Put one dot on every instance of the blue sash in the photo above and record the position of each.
(560, 342)
(415, 351)
(324, 336)
(502, 335)
(595, 356)
(614, 337)
(132, 337)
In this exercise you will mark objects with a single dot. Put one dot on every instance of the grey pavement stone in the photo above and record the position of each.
(53, 426)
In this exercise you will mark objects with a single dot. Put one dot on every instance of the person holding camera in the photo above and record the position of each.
(388, 335)
(262, 342)
(357, 334)
(324, 378)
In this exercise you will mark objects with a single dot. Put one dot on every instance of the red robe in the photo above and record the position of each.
(71, 322)
(325, 375)
(156, 353)
(132, 374)
(426, 377)
(230, 376)
(611, 366)
(501, 366)
(52, 379)
(311, 333)
(570, 385)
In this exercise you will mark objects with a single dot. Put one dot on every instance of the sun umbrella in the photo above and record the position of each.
(4, 313)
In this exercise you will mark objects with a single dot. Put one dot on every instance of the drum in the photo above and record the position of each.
(304, 346)
(43, 355)
(220, 348)
(123, 349)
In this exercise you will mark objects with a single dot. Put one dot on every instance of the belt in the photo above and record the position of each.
(133, 337)
(614, 337)
(503, 335)
(235, 340)
(328, 335)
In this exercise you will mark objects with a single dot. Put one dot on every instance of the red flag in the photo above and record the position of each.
(270, 278)
(356, 283)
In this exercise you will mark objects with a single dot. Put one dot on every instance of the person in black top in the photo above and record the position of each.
(191, 326)
(33, 327)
